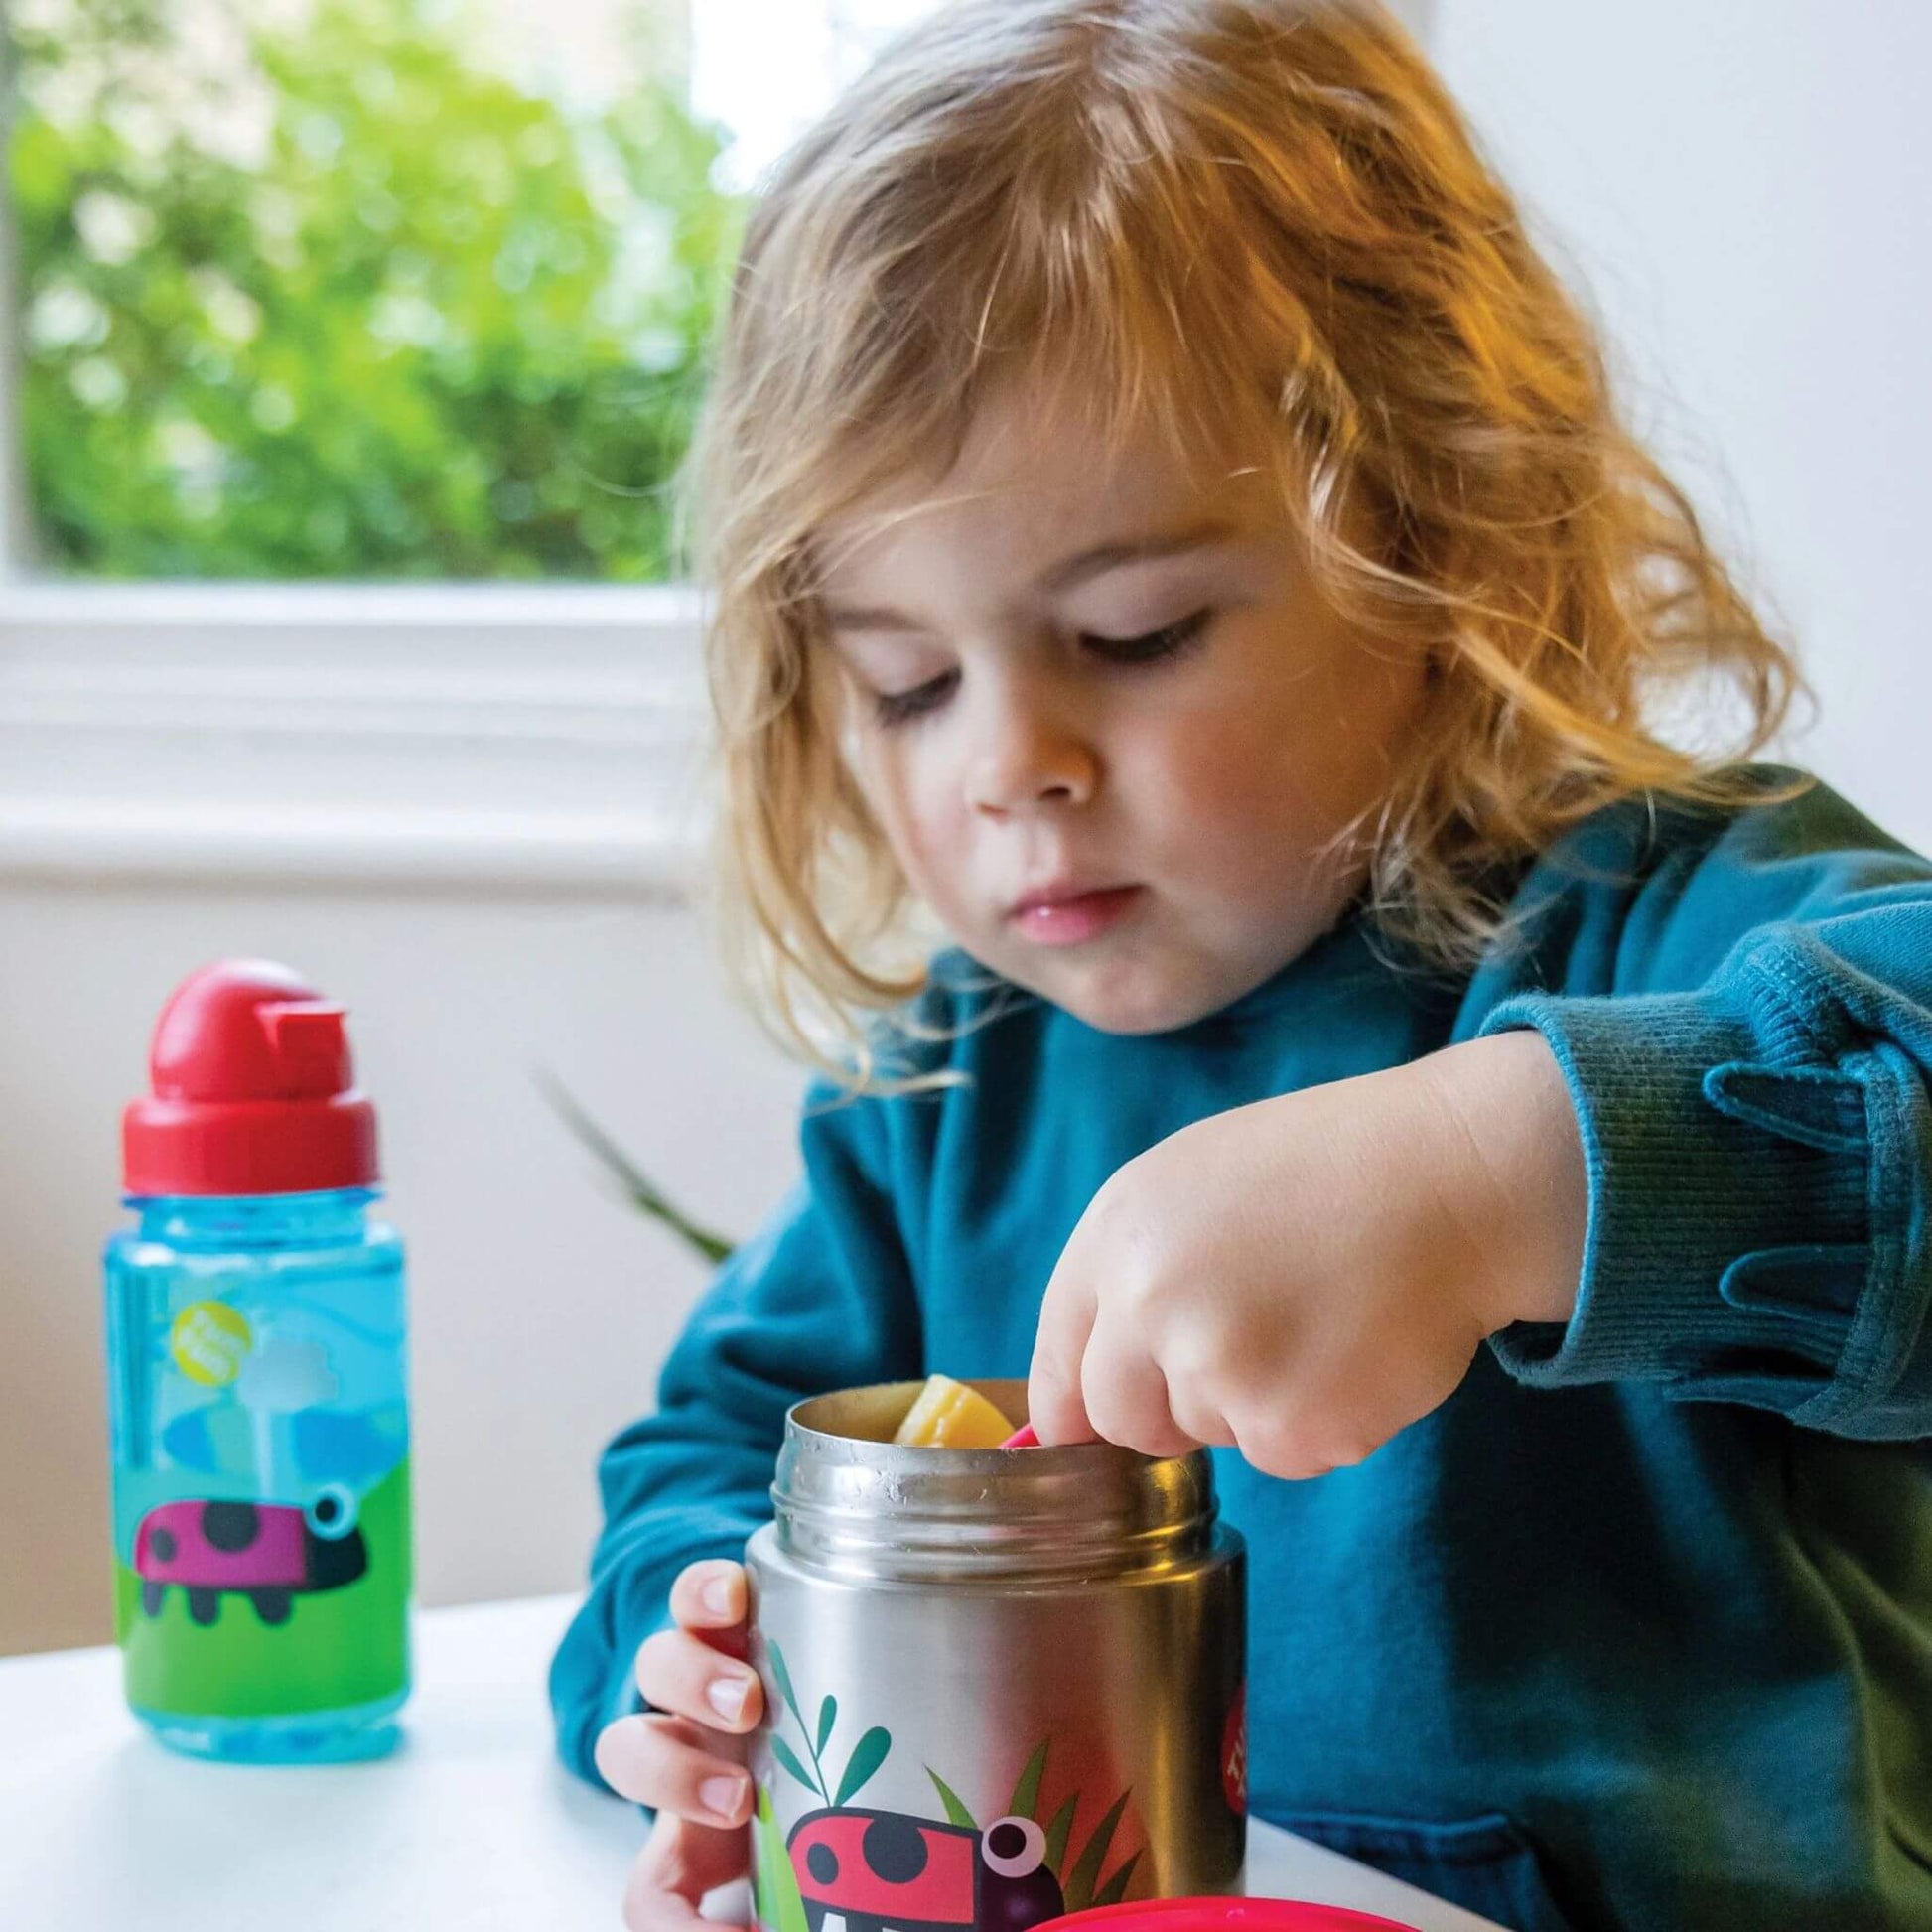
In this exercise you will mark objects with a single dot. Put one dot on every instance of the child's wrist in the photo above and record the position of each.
(1521, 1174)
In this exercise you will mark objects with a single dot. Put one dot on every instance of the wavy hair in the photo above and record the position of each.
(1215, 218)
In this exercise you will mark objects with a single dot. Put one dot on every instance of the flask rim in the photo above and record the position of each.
(848, 1500)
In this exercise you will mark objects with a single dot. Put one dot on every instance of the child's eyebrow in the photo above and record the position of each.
(1064, 576)
(869, 617)
(1110, 556)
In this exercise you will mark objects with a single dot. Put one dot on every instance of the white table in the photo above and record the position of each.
(473, 1824)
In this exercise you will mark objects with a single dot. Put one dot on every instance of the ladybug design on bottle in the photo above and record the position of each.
(883, 1868)
(269, 1552)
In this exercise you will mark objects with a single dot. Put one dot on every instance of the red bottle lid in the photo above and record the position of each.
(252, 1093)
(1226, 1915)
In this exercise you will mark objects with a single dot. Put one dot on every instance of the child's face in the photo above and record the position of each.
(1108, 725)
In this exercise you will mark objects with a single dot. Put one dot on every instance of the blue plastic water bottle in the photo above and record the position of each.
(257, 1387)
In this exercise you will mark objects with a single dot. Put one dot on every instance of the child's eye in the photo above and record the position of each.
(901, 707)
(1151, 645)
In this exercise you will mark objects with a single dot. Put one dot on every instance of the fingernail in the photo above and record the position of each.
(722, 1796)
(727, 1695)
(716, 1597)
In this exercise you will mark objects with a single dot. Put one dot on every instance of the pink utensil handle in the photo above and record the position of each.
(1022, 1437)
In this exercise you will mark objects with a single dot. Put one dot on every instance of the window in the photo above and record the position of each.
(384, 287)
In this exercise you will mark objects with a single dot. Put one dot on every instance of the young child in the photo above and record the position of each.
(1169, 529)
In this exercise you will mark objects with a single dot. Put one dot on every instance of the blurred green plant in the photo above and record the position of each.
(628, 1179)
(348, 305)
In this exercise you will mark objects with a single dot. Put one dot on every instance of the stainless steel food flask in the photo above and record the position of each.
(1000, 1684)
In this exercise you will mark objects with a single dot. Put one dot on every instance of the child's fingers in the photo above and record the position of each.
(1196, 1412)
(679, 1672)
(681, 1863)
(1127, 1397)
(1054, 1403)
(664, 1762)
(709, 1596)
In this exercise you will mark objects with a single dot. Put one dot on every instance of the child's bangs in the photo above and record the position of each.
(1131, 368)
(1188, 356)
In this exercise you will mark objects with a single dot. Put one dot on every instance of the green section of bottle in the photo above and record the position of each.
(339, 1648)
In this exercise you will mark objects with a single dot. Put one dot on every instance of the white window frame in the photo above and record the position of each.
(461, 736)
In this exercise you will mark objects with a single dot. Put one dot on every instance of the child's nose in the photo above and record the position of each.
(1029, 760)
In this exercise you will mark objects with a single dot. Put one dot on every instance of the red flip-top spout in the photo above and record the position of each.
(253, 1091)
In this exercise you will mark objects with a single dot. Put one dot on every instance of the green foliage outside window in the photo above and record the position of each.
(432, 326)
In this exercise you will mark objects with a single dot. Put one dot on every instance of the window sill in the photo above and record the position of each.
(541, 739)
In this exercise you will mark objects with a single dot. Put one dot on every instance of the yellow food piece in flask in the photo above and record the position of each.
(949, 1415)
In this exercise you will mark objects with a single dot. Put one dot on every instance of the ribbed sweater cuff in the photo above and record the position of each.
(1728, 1238)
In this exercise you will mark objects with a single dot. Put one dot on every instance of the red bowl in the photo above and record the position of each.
(1227, 1915)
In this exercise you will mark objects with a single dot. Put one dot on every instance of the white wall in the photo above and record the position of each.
(540, 1307)
(1746, 187)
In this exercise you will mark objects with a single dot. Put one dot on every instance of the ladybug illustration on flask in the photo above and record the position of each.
(885, 1871)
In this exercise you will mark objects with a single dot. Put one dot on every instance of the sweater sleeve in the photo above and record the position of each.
(820, 1299)
(1756, 1134)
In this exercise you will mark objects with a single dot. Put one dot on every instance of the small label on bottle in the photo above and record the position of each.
(209, 1341)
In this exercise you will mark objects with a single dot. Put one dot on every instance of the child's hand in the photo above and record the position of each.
(1300, 1277)
(684, 1758)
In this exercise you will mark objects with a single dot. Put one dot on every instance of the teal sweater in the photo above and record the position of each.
(1635, 1631)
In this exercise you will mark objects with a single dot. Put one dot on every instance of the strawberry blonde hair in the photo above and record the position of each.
(1243, 222)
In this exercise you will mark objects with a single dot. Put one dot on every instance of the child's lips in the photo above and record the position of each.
(1068, 918)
